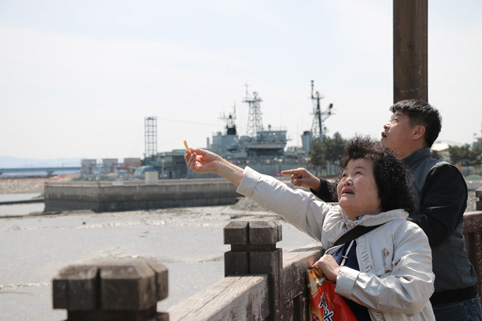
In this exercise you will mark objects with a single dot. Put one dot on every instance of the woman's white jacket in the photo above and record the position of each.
(395, 280)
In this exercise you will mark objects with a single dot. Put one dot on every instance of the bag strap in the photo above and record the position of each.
(354, 233)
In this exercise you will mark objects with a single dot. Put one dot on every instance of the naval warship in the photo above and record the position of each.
(264, 150)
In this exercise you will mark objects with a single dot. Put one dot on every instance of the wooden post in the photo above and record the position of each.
(473, 243)
(478, 200)
(253, 251)
(410, 50)
(112, 290)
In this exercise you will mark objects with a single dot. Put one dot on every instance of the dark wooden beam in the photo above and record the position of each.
(410, 50)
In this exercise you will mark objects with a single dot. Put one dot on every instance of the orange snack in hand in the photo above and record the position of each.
(187, 147)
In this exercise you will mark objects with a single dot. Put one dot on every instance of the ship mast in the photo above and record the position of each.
(319, 116)
(255, 122)
(230, 121)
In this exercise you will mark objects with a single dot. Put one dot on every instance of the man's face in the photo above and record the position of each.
(397, 135)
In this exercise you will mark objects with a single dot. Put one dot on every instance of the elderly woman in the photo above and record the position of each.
(385, 274)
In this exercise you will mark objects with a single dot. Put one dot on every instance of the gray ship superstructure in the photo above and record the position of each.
(262, 149)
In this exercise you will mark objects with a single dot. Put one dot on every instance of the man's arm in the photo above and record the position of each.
(322, 188)
(326, 192)
(442, 204)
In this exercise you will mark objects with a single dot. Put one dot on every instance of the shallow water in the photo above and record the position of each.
(19, 209)
(189, 241)
(18, 197)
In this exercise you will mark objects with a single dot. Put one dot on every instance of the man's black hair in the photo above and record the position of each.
(421, 113)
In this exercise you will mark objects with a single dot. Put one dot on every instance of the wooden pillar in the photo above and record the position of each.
(473, 243)
(112, 290)
(410, 50)
(478, 200)
(253, 251)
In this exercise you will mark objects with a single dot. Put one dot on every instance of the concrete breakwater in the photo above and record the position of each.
(127, 196)
(111, 196)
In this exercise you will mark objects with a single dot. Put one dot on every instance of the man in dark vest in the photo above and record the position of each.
(441, 194)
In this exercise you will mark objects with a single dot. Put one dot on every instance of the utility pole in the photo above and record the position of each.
(410, 50)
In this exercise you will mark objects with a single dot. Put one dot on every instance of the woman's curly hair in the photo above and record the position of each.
(391, 175)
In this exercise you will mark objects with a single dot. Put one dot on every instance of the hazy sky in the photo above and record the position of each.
(78, 78)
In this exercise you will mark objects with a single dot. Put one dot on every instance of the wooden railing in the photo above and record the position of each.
(275, 289)
(259, 283)
(473, 238)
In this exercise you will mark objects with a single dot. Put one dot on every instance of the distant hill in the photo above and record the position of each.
(15, 162)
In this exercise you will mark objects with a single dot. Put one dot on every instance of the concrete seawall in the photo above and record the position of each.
(126, 196)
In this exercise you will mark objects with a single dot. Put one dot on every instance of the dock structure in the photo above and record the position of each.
(141, 195)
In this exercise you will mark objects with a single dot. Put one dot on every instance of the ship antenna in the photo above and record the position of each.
(319, 116)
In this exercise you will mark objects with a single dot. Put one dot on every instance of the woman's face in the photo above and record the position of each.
(357, 190)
